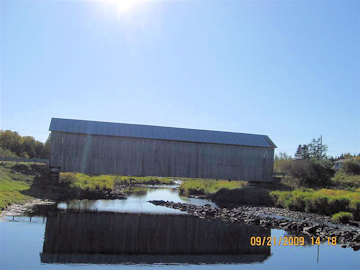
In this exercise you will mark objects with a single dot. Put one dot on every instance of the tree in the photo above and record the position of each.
(298, 152)
(281, 162)
(28, 147)
(317, 149)
(311, 172)
(11, 140)
(46, 150)
(302, 152)
(347, 156)
(351, 167)
(39, 148)
(282, 156)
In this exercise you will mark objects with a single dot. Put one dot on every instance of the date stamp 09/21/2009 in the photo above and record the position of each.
(291, 241)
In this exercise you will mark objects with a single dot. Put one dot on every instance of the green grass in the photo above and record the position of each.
(322, 201)
(342, 217)
(207, 186)
(146, 180)
(12, 182)
(96, 182)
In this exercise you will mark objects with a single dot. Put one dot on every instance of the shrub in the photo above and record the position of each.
(244, 196)
(290, 182)
(344, 180)
(351, 167)
(339, 204)
(342, 217)
(355, 207)
(67, 178)
(311, 172)
(282, 165)
(318, 204)
(297, 203)
(323, 201)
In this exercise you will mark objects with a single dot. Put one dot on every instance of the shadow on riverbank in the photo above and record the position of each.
(47, 187)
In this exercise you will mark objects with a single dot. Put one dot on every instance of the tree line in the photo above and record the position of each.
(13, 144)
(311, 167)
(315, 149)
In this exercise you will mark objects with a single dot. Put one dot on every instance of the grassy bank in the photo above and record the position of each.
(108, 182)
(208, 186)
(25, 181)
(13, 180)
(322, 201)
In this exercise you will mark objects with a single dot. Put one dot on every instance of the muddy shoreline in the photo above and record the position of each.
(312, 225)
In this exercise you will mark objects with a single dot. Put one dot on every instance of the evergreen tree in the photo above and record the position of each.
(317, 149)
(298, 152)
(305, 151)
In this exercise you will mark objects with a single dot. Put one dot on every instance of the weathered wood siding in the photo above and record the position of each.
(95, 154)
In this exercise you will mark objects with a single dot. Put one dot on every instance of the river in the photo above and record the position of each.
(127, 234)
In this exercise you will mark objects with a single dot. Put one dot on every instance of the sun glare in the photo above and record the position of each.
(124, 6)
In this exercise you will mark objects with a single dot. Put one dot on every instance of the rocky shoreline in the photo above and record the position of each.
(30, 207)
(310, 225)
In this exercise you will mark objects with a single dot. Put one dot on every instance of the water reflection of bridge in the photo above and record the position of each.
(78, 237)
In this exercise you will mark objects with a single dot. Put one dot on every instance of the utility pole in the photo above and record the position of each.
(321, 147)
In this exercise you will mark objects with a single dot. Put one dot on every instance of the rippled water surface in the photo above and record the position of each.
(94, 240)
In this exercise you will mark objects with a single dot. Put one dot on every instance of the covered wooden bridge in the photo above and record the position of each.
(139, 150)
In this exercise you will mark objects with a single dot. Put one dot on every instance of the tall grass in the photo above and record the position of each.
(323, 201)
(107, 182)
(207, 186)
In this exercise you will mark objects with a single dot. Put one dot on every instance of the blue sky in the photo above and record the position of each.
(287, 69)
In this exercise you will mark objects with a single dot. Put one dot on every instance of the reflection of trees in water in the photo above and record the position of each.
(174, 190)
(136, 191)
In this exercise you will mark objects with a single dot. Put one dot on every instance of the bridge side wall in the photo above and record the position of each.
(96, 154)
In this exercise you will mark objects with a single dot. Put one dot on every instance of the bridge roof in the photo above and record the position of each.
(160, 133)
